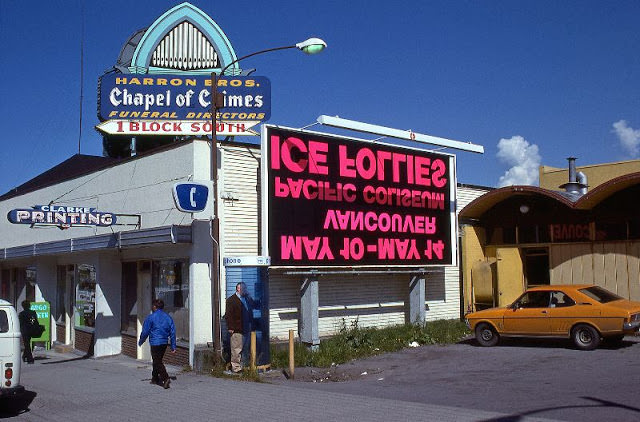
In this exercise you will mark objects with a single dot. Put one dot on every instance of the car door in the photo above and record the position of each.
(529, 315)
(564, 313)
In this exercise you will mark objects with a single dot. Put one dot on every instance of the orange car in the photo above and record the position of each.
(585, 313)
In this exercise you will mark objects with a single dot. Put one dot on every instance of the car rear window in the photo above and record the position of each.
(600, 294)
(4, 322)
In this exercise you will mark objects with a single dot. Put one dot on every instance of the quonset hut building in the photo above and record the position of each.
(579, 227)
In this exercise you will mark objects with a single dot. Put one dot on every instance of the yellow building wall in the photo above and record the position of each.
(472, 252)
(552, 177)
(510, 274)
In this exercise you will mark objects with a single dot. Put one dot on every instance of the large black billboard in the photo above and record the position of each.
(336, 201)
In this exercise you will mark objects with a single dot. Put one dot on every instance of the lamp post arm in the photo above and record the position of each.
(224, 69)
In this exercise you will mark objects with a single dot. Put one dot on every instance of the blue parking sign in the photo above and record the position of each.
(190, 197)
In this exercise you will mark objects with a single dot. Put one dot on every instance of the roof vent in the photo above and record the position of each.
(575, 186)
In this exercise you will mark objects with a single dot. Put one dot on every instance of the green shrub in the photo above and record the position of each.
(354, 342)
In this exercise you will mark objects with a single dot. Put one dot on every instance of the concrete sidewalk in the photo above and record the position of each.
(68, 387)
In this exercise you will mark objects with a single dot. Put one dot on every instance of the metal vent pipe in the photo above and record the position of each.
(572, 169)
(574, 185)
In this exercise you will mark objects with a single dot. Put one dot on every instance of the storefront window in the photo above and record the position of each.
(129, 296)
(5, 285)
(501, 235)
(24, 282)
(533, 234)
(65, 275)
(171, 284)
(84, 309)
(29, 275)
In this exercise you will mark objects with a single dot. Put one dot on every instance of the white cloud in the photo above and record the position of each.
(523, 159)
(629, 137)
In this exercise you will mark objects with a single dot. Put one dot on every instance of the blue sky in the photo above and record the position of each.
(532, 81)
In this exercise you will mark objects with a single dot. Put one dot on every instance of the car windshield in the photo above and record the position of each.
(600, 294)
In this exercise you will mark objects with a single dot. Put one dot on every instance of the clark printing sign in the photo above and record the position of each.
(61, 216)
(180, 105)
(336, 201)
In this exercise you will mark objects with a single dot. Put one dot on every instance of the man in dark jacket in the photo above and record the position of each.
(238, 314)
(159, 327)
(27, 318)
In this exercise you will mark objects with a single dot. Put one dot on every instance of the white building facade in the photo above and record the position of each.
(100, 281)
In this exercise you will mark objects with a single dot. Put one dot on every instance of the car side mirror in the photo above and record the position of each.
(515, 305)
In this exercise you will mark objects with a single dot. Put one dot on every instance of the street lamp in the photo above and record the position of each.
(308, 46)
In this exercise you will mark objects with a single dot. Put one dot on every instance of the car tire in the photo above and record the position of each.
(585, 337)
(486, 335)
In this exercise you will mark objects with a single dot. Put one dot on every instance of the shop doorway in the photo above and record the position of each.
(62, 308)
(129, 307)
(536, 267)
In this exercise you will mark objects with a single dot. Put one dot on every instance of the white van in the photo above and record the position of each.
(9, 351)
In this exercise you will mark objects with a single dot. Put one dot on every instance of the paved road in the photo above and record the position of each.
(547, 379)
(68, 388)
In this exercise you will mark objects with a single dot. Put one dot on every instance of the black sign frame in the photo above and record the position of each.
(333, 201)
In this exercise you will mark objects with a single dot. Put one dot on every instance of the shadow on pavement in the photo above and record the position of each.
(549, 343)
(15, 406)
(67, 360)
(599, 403)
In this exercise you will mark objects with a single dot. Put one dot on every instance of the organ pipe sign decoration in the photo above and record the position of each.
(130, 104)
(340, 202)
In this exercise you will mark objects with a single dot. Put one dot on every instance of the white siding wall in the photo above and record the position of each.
(238, 207)
(239, 211)
(141, 186)
(374, 300)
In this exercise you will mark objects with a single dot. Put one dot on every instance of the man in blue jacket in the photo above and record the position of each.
(159, 327)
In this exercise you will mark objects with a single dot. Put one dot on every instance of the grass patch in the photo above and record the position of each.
(353, 342)
(246, 374)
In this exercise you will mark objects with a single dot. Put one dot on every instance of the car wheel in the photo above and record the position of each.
(585, 337)
(486, 335)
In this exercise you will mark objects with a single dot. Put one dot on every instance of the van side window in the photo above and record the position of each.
(4, 322)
